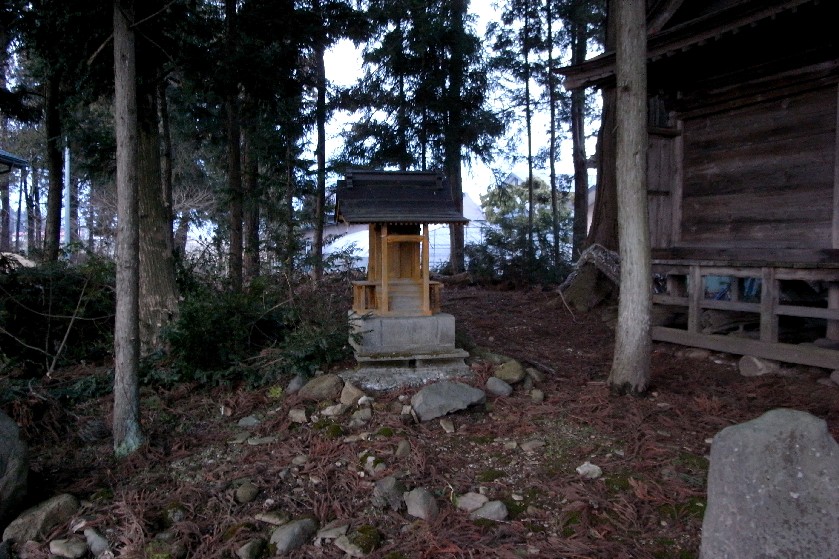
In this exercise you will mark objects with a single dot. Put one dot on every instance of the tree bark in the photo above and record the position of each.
(552, 101)
(454, 130)
(250, 225)
(5, 181)
(55, 169)
(158, 289)
(578, 101)
(234, 159)
(631, 363)
(126, 428)
(320, 196)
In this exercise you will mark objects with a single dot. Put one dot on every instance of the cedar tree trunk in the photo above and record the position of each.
(127, 433)
(631, 363)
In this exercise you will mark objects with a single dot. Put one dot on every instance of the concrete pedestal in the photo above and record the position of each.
(404, 351)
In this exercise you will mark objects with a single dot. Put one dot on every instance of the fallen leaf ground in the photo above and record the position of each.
(648, 503)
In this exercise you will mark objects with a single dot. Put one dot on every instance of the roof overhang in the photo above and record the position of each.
(669, 42)
(396, 197)
(11, 161)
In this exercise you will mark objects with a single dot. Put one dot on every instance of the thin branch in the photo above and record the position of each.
(155, 14)
(99, 49)
(67, 332)
(21, 342)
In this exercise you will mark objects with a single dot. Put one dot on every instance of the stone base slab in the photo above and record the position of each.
(384, 377)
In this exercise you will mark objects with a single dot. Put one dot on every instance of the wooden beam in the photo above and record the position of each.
(385, 273)
(696, 293)
(678, 184)
(424, 272)
(833, 289)
(768, 305)
(788, 353)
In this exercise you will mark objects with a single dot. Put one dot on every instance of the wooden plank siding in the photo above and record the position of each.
(762, 175)
(661, 178)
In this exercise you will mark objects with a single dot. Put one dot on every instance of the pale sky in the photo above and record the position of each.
(343, 68)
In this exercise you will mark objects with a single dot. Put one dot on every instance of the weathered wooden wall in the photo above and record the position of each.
(762, 175)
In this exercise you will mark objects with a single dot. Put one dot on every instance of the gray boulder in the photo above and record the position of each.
(441, 398)
(498, 387)
(292, 535)
(37, 522)
(421, 504)
(773, 490)
(14, 466)
(323, 387)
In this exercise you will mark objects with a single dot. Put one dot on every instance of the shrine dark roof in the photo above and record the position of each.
(12, 160)
(396, 197)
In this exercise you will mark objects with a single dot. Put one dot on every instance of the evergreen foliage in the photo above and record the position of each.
(504, 254)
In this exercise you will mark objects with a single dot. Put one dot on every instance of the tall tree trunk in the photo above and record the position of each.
(36, 209)
(528, 119)
(578, 137)
(250, 225)
(55, 169)
(631, 363)
(5, 181)
(31, 216)
(127, 433)
(454, 132)
(320, 196)
(166, 154)
(604, 221)
(182, 232)
(288, 203)
(234, 158)
(21, 190)
(158, 289)
(552, 101)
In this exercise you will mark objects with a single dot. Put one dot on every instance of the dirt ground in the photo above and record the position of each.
(652, 451)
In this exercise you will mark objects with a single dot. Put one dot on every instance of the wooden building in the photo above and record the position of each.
(743, 172)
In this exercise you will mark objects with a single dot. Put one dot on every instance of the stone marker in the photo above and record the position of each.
(773, 490)
(40, 520)
(14, 467)
(441, 398)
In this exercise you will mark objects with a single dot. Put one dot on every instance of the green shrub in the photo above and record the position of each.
(273, 328)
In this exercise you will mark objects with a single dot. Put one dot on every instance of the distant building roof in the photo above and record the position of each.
(396, 197)
(12, 160)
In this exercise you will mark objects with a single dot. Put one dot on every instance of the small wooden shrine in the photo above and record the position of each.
(400, 335)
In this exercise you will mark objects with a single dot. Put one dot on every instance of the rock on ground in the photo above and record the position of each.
(493, 510)
(441, 398)
(37, 522)
(324, 387)
(751, 366)
(71, 548)
(14, 467)
(498, 387)
(421, 504)
(293, 535)
(510, 372)
(773, 489)
(388, 493)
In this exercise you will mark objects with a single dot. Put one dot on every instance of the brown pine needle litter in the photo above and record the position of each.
(648, 502)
